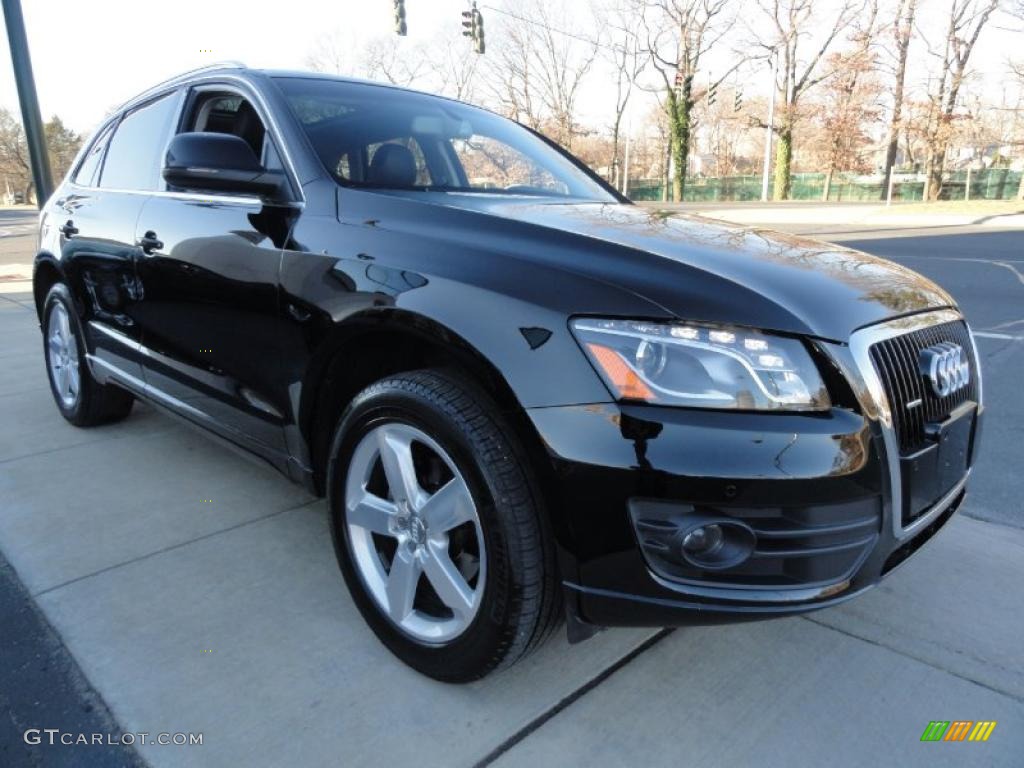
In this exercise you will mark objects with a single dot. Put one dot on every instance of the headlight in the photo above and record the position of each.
(702, 366)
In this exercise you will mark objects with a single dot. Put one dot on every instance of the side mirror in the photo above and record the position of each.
(218, 162)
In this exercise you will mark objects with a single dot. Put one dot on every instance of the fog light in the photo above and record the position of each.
(716, 544)
(703, 541)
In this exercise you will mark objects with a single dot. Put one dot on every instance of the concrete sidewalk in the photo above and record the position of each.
(230, 618)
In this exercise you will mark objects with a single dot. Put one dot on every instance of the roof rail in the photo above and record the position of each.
(229, 64)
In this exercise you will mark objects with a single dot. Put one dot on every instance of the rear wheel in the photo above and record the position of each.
(438, 529)
(81, 399)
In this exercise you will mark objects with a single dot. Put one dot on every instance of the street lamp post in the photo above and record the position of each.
(35, 136)
(769, 129)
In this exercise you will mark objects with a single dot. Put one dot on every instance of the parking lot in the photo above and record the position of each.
(197, 592)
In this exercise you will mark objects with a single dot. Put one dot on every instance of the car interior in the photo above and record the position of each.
(232, 114)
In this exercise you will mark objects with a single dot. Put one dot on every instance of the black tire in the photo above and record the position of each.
(521, 600)
(95, 403)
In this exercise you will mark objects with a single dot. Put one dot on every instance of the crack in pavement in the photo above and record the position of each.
(172, 547)
(568, 700)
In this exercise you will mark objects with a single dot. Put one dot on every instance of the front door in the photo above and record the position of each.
(209, 276)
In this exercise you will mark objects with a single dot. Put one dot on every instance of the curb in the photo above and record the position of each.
(875, 216)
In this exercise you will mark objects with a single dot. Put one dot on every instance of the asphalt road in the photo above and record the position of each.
(134, 603)
(17, 236)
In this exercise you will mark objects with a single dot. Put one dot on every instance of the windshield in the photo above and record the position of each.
(385, 138)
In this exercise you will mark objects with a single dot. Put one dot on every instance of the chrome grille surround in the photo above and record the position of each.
(912, 397)
(871, 393)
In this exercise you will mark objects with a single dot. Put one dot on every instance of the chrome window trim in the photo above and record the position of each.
(201, 197)
(876, 404)
(238, 84)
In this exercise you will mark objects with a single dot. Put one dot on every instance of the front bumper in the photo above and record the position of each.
(818, 488)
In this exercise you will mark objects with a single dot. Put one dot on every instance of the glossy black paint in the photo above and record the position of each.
(257, 319)
(209, 312)
(93, 231)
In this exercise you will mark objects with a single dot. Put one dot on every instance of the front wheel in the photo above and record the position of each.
(438, 529)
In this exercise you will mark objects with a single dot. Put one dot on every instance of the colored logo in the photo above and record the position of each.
(958, 730)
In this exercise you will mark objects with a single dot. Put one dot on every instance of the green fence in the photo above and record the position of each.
(987, 184)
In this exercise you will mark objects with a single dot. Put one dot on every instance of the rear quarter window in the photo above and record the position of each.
(88, 170)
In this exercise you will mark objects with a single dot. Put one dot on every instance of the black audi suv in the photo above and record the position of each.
(524, 397)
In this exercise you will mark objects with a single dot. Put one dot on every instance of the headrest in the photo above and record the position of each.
(393, 165)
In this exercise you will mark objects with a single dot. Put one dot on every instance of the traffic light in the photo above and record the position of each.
(479, 47)
(737, 100)
(712, 94)
(684, 83)
(473, 28)
(400, 28)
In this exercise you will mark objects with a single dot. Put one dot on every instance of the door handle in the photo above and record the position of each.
(69, 229)
(150, 243)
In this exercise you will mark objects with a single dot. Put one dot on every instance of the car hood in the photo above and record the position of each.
(694, 268)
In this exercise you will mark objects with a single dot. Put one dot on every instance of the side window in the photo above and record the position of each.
(229, 113)
(492, 164)
(134, 155)
(344, 169)
(88, 170)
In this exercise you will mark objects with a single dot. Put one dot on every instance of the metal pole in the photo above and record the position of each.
(888, 192)
(967, 186)
(35, 136)
(770, 128)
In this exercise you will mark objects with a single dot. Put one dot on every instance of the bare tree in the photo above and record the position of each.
(1016, 67)
(727, 133)
(62, 144)
(902, 33)
(562, 55)
(676, 36)
(14, 153)
(394, 59)
(789, 23)
(851, 98)
(848, 107)
(966, 20)
(334, 53)
(540, 60)
(454, 66)
(388, 57)
(623, 53)
(510, 72)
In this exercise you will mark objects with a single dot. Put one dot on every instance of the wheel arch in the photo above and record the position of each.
(46, 272)
(376, 344)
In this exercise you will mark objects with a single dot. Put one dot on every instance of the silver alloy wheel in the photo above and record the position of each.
(436, 534)
(63, 351)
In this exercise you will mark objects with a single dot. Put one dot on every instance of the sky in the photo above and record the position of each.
(90, 55)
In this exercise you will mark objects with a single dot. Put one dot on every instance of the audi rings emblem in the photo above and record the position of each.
(946, 367)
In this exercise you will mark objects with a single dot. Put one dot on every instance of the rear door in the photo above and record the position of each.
(209, 280)
(96, 216)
